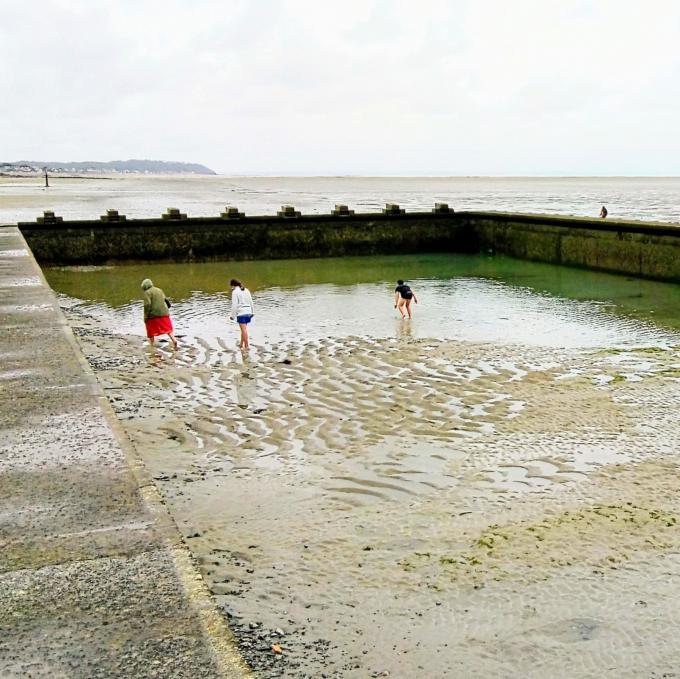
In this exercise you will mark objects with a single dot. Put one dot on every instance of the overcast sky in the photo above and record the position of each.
(461, 87)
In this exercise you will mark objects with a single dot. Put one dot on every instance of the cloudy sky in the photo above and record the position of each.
(460, 87)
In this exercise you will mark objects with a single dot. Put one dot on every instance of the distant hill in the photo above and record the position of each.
(112, 166)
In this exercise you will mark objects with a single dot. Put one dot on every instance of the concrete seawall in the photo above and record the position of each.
(94, 578)
(202, 239)
(646, 249)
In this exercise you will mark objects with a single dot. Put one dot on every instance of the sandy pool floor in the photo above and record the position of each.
(418, 508)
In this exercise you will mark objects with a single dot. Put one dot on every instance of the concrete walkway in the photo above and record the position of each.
(94, 579)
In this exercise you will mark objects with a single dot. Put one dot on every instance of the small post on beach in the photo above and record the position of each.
(47, 183)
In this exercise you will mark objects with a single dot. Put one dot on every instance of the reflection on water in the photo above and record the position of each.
(246, 388)
(474, 298)
(403, 328)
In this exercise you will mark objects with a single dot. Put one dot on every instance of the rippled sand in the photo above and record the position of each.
(417, 507)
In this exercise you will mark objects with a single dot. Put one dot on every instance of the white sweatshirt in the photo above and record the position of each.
(241, 302)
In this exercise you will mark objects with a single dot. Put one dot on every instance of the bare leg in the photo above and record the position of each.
(402, 303)
(408, 308)
(244, 335)
(174, 341)
(152, 340)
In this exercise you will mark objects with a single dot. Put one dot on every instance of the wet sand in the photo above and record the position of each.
(647, 198)
(417, 508)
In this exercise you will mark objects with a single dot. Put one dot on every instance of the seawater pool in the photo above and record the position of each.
(468, 298)
(489, 489)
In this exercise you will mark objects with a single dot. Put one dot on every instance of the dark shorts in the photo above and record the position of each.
(246, 318)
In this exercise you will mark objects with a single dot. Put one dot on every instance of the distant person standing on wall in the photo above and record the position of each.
(242, 309)
(603, 212)
(403, 296)
(156, 313)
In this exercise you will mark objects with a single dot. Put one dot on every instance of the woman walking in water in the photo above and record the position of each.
(242, 309)
(156, 313)
(403, 295)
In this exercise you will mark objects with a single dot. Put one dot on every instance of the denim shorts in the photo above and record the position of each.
(246, 318)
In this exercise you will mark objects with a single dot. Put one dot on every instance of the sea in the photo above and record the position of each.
(137, 196)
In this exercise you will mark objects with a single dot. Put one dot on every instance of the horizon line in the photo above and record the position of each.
(442, 176)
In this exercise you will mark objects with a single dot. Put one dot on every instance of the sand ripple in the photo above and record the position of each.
(419, 507)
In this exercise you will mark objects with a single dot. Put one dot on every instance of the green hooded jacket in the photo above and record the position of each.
(154, 301)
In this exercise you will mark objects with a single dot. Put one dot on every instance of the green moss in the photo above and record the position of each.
(499, 553)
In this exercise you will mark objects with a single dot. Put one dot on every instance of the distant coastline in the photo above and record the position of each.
(80, 169)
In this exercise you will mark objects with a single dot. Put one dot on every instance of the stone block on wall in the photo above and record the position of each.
(442, 209)
(112, 216)
(287, 211)
(231, 212)
(173, 214)
(342, 211)
(49, 218)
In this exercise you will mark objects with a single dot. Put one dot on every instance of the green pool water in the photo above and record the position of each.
(478, 298)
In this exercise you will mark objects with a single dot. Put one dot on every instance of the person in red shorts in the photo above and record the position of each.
(156, 313)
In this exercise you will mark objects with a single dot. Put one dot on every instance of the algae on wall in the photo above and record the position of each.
(201, 239)
(643, 249)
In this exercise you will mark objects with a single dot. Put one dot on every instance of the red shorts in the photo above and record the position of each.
(162, 325)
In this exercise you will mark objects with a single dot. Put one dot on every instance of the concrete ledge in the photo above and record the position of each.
(213, 238)
(646, 249)
(643, 249)
(568, 221)
(94, 578)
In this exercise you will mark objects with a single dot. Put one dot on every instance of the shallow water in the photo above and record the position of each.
(490, 489)
(648, 198)
(470, 298)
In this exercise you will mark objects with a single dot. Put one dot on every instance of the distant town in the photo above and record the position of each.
(27, 168)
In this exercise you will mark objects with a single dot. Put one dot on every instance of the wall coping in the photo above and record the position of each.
(564, 221)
